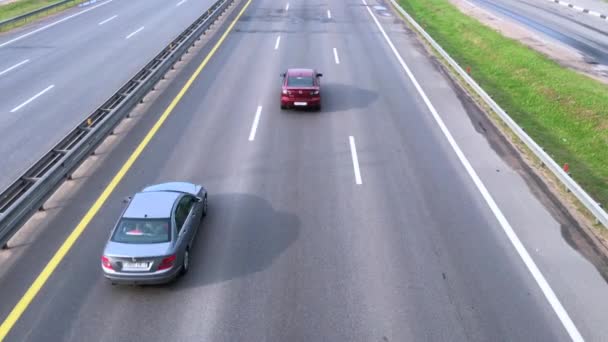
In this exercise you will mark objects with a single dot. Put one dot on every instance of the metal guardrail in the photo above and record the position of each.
(24, 17)
(29, 192)
(589, 203)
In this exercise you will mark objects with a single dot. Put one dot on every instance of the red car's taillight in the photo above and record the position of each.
(106, 262)
(167, 262)
(285, 92)
(316, 92)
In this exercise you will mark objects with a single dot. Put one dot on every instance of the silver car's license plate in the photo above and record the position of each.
(300, 103)
(135, 266)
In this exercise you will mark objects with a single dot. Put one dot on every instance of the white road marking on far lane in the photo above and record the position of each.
(353, 152)
(13, 67)
(180, 3)
(276, 45)
(560, 311)
(328, 14)
(53, 24)
(134, 32)
(256, 121)
(108, 20)
(287, 7)
(336, 56)
(32, 98)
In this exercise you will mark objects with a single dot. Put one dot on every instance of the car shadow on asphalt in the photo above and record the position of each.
(339, 97)
(242, 235)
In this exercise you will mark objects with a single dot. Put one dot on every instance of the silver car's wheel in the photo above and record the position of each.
(205, 206)
(186, 262)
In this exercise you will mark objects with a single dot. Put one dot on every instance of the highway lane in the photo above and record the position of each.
(80, 62)
(582, 32)
(293, 248)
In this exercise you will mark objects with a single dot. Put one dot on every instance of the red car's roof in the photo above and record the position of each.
(300, 72)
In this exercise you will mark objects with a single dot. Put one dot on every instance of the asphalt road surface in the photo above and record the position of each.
(583, 32)
(294, 247)
(53, 75)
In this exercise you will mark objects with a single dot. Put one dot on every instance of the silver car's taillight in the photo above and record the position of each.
(105, 262)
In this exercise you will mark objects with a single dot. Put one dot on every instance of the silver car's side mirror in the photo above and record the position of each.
(127, 199)
(196, 199)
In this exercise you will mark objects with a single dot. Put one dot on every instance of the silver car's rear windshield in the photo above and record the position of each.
(142, 231)
(299, 81)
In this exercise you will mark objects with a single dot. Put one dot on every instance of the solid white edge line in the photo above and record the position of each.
(14, 67)
(328, 14)
(108, 20)
(353, 152)
(276, 45)
(256, 121)
(180, 3)
(551, 297)
(594, 13)
(32, 98)
(287, 7)
(53, 24)
(134, 32)
(336, 56)
(470, 4)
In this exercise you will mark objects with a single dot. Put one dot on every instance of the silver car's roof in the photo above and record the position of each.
(185, 187)
(154, 204)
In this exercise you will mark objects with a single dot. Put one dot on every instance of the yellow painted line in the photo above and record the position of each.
(48, 270)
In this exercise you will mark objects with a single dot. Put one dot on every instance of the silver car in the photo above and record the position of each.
(150, 243)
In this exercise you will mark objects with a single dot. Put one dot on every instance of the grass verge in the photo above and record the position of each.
(20, 7)
(564, 112)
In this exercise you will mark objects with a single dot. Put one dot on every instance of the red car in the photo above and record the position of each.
(301, 88)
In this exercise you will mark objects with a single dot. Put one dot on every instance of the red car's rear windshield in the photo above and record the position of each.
(300, 81)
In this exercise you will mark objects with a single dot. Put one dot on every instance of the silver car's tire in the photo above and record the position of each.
(205, 206)
(186, 262)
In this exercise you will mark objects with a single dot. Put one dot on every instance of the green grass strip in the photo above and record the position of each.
(17, 8)
(564, 112)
